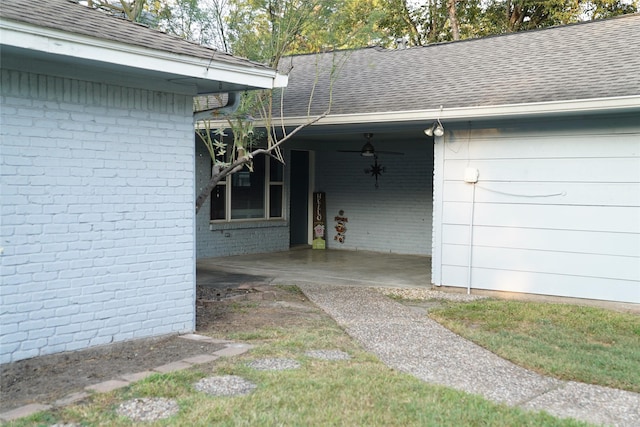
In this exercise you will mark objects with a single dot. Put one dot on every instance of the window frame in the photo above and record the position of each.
(227, 183)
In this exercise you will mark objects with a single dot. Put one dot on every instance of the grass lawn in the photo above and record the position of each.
(569, 342)
(360, 391)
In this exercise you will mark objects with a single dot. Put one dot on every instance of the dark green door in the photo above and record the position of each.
(299, 215)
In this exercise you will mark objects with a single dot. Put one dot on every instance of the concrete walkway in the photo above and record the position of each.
(412, 343)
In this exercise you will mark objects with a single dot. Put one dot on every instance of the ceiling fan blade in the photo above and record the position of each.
(368, 150)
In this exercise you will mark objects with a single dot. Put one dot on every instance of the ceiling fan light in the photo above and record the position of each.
(367, 150)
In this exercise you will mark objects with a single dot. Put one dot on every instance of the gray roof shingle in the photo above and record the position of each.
(72, 17)
(597, 59)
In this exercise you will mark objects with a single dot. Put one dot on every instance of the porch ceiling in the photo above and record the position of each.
(386, 136)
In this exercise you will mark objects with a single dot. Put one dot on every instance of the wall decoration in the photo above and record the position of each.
(367, 150)
(375, 169)
(319, 221)
(340, 226)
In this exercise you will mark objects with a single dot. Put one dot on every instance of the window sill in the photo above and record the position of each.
(244, 224)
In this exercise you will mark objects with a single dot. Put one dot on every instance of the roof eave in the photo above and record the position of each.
(51, 41)
(552, 108)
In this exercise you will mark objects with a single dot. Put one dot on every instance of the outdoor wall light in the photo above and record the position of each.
(435, 129)
(439, 130)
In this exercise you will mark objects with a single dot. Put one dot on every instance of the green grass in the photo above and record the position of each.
(291, 289)
(570, 342)
(357, 392)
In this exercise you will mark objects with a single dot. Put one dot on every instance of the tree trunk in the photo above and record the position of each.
(217, 176)
(411, 25)
(453, 20)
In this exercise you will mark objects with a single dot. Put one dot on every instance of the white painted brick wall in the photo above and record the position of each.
(395, 217)
(97, 190)
(233, 238)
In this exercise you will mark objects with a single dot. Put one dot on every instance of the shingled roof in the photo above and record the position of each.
(598, 59)
(71, 17)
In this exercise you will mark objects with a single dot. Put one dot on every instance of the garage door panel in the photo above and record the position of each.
(585, 218)
(600, 243)
(602, 170)
(543, 284)
(565, 193)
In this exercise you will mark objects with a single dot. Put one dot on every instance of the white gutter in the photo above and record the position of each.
(595, 105)
(57, 42)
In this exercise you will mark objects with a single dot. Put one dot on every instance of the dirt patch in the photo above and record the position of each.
(276, 306)
(46, 379)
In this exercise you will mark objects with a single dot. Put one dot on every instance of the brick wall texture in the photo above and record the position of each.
(97, 190)
(395, 217)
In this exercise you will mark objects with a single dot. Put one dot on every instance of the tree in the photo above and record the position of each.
(129, 9)
(276, 27)
(600, 9)
(453, 20)
(342, 24)
(433, 21)
(199, 21)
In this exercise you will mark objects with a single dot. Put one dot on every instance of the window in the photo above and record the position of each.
(249, 195)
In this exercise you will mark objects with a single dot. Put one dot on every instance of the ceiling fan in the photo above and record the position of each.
(376, 170)
(367, 149)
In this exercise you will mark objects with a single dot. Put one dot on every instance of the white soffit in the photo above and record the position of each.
(61, 43)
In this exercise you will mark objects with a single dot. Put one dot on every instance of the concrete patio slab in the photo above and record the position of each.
(201, 358)
(23, 411)
(233, 350)
(107, 386)
(71, 398)
(172, 367)
(136, 376)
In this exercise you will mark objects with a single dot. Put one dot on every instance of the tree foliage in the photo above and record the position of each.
(143, 11)
(199, 21)
(257, 28)
(433, 21)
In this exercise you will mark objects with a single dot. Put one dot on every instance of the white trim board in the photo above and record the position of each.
(57, 42)
(552, 108)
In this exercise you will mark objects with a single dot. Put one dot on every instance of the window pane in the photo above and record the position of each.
(247, 192)
(275, 170)
(218, 202)
(275, 201)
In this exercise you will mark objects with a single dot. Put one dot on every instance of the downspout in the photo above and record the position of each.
(471, 177)
(473, 204)
(233, 102)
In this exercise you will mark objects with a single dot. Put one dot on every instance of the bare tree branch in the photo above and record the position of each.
(237, 165)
